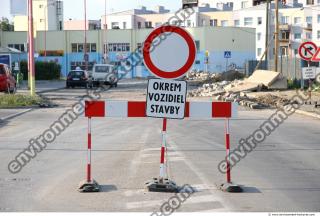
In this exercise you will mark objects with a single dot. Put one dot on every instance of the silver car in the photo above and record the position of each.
(104, 74)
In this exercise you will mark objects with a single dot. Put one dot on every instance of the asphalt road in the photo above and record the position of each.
(281, 174)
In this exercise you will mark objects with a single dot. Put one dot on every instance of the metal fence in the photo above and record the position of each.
(288, 67)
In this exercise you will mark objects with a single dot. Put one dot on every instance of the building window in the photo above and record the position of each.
(318, 18)
(197, 42)
(158, 24)
(203, 22)
(214, 22)
(259, 20)
(118, 47)
(297, 20)
(309, 19)
(41, 20)
(139, 25)
(310, 2)
(189, 23)
(285, 35)
(40, 6)
(248, 21)
(115, 25)
(93, 47)
(224, 23)
(284, 51)
(148, 24)
(244, 4)
(74, 47)
(259, 36)
(20, 47)
(176, 23)
(284, 20)
(236, 23)
(60, 25)
(78, 47)
(318, 34)
(308, 35)
(124, 25)
(297, 36)
(259, 51)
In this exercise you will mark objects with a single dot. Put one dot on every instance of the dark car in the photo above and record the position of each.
(78, 78)
(7, 81)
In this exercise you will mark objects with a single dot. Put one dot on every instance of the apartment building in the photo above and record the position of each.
(47, 15)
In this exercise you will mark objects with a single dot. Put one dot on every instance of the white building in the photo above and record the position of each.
(47, 15)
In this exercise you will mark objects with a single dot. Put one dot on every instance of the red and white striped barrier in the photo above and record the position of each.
(134, 109)
(129, 109)
(227, 134)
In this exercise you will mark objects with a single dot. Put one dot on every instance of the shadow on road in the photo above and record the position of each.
(108, 188)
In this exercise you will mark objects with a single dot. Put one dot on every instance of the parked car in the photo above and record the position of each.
(78, 78)
(7, 81)
(104, 74)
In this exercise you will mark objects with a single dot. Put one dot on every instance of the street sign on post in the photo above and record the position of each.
(166, 98)
(227, 54)
(316, 56)
(169, 52)
(308, 73)
(307, 50)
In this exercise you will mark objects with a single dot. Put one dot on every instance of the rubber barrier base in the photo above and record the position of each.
(88, 187)
(162, 185)
(231, 188)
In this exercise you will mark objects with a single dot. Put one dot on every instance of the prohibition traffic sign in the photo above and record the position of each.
(307, 50)
(169, 52)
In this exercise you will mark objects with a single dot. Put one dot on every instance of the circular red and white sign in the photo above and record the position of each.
(169, 52)
(307, 50)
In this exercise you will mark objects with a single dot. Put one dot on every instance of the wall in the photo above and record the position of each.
(240, 41)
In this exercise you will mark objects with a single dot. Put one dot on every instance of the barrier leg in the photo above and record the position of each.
(162, 184)
(227, 139)
(229, 186)
(163, 151)
(89, 185)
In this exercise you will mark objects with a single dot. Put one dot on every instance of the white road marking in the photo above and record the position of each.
(201, 176)
(155, 203)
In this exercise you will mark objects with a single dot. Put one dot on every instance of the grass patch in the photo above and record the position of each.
(18, 100)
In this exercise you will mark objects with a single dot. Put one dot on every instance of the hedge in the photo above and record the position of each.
(44, 70)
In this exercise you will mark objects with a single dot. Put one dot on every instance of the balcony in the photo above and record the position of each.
(307, 26)
(284, 27)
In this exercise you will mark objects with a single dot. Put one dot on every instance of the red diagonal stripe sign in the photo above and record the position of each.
(307, 50)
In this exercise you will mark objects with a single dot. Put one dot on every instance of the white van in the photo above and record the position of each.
(104, 73)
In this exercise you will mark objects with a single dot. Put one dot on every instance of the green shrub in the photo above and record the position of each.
(44, 70)
(293, 84)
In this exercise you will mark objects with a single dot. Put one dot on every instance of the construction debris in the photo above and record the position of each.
(235, 90)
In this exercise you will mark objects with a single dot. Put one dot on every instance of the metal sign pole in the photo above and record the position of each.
(163, 150)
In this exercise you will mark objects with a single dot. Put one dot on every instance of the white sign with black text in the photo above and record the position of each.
(166, 98)
(308, 73)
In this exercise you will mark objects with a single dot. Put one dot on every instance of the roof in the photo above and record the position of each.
(9, 50)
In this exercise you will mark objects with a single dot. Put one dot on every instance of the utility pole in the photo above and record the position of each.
(86, 56)
(267, 32)
(31, 49)
(105, 33)
(276, 36)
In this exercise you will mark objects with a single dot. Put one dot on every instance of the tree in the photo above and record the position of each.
(5, 25)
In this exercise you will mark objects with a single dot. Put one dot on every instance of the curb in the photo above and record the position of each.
(15, 115)
(308, 114)
(50, 90)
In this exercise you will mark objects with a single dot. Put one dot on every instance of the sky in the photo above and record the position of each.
(95, 8)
